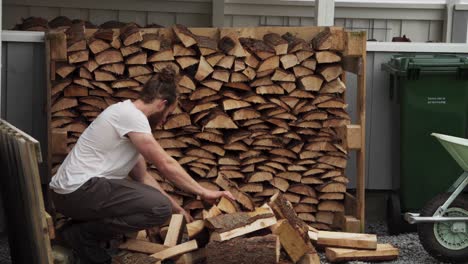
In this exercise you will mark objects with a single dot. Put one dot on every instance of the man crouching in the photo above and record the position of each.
(91, 185)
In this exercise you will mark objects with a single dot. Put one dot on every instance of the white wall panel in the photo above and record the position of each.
(138, 17)
(395, 28)
(294, 21)
(163, 19)
(416, 31)
(194, 20)
(228, 21)
(45, 12)
(245, 21)
(99, 16)
(436, 31)
(274, 21)
(12, 15)
(339, 22)
(373, 18)
(379, 30)
(307, 21)
(75, 13)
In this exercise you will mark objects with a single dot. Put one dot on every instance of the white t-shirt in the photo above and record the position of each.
(103, 150)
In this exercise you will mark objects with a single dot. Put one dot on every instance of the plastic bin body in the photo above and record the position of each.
(433, 96)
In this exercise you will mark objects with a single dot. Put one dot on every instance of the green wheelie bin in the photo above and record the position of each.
(432, 92)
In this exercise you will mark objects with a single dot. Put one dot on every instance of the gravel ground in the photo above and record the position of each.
(411, 250)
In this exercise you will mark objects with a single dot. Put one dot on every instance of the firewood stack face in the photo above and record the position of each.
(263, 114)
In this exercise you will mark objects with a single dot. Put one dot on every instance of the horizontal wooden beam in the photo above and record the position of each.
(353, 136)
(354, 45)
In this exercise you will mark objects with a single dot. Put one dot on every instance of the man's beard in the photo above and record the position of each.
(155, 120)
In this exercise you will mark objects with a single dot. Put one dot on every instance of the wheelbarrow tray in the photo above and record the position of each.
(457, 147)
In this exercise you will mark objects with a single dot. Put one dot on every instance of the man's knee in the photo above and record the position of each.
(160, 211)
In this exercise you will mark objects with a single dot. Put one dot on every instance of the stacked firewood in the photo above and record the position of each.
(258, 114)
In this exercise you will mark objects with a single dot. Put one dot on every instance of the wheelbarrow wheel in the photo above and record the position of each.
(438, 239)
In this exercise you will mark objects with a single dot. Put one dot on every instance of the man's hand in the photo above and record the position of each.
(180, 210)
(212, 196)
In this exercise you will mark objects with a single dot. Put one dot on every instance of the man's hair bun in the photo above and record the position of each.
(167, 74)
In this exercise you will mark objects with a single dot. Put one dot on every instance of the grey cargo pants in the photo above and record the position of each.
(119, 206)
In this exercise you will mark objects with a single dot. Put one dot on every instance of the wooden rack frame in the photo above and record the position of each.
(353, 45)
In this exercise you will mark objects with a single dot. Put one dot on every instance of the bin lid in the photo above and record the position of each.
(401, 64)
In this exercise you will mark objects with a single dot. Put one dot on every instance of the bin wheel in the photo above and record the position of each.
(438, 239)
(394, 219)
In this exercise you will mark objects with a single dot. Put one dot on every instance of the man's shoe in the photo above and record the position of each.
(85, 245)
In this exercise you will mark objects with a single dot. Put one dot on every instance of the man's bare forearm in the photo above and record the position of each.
(149, 180)
(176, 174)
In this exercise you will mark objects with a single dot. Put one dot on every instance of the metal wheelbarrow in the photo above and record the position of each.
(443, 221)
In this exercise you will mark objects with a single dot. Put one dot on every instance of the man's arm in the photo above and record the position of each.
(139, 173)
(170, 168)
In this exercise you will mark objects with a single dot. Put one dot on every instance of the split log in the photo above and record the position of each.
(331, 72)
(219, 119)
(226, 62)
(184, 35)
(327, 57)
(228, 206)
(229, 226)
(264, 249)
(63, 70)
(151, 42)
(78, 56)
(139, 70)
(162, 55)
(206, 45)
(130, 34)
(289, 60)
(176, 250)
(137, 59)
(178, 120)
(311, 82)
(204, 69)
(129, 50)
(290, 239)
(282, 75)
(180, 50)
(304, 55)
(384, 252)
(142, 246)
(331, 206)
(91, 65)
(103, 76)
(98, 45)
(347, 240)
(107, 35)
(244, 199)
(176, 230)
(295, 43)
(108, 56)
(74, 90)
(194, 228)
(257, 47)
(335, 86)
(300, 71)
(271, 63)
(284, 210)
(277, 43)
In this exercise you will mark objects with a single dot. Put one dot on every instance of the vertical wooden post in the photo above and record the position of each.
(361, 158)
